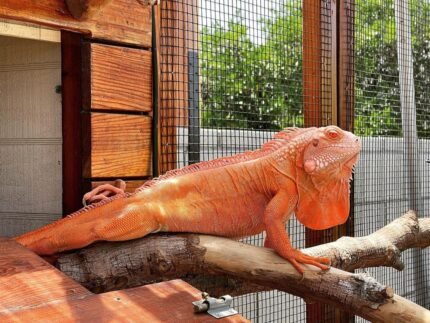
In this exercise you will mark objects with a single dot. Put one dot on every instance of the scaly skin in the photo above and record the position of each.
(301, 171)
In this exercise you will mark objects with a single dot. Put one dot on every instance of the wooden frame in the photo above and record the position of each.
(71, 52)
(122, 21)
(317, 106)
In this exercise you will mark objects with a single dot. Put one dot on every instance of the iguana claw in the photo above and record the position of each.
(296, 257)
(103, 191)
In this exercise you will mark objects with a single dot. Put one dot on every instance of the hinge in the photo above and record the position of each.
(217, 307)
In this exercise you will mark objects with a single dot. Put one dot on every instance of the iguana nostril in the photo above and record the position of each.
(315, 142)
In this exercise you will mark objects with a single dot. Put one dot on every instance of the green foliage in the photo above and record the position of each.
(258, 84)
(250, 85)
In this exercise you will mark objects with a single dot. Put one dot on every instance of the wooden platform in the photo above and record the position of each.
(31, 290)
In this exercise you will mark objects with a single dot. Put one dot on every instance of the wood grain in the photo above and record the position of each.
(118, 146)
(34, 291)
(85, 9)
(120, 20)
(27, 280)
(162, 256)
(142, 304)
(312, 63)
(120, 78)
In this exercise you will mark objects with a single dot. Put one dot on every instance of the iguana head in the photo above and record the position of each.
(324, 159)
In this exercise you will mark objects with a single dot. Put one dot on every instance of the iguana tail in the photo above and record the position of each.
(106, 220)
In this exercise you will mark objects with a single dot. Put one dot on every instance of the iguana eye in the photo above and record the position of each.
(332, 134)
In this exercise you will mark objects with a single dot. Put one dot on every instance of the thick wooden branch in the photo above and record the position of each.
(120, 265)
(381, 248)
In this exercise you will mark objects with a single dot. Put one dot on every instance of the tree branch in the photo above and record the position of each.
(119, 265)
(381, 248)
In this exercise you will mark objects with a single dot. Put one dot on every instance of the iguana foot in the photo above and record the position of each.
(296, 257)
(104, 191)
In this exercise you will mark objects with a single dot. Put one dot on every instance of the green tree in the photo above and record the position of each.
(250, 85)
(258, 84)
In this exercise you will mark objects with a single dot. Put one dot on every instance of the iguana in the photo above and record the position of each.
(303, 171)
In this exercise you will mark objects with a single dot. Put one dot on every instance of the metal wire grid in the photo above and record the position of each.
(236, 102)
(390, 178)
(231, 75)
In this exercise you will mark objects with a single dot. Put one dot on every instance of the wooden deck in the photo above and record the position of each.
(31, 290)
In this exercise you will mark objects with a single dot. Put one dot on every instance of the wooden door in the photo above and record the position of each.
(30, 134)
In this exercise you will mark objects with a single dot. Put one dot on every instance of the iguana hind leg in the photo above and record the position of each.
(103, 192)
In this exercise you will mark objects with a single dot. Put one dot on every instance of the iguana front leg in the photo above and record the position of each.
(276, 214)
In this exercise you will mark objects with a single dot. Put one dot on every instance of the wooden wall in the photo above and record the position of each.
(106, 64)
(115, 114)
(125, 21)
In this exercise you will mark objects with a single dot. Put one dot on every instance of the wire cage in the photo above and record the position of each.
(232, 73)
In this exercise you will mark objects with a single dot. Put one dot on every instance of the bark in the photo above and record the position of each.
(107, 266)
(381, 248)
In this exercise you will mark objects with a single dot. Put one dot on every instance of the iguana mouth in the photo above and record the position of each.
(350, 163)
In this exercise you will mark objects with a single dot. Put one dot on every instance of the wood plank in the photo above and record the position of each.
(132, 185)
(71, 49)
(120, 78)
(32, 290)
(162, 302)
(120, 20)
(117, 145)
(28, 280)
(312, 63)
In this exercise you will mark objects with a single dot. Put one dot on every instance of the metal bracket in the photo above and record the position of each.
(217, 307)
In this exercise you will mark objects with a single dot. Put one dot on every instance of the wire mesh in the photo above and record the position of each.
(232, 73)
(391, 111)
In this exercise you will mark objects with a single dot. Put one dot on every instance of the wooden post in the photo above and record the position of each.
(71, 61)
(312, 63)
(176, 34)
(345, 104)
(318, 100)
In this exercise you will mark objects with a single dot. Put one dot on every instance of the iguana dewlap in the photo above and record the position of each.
(302, 171)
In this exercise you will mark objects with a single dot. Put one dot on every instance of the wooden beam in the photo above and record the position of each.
(346, 93)
(120, 20)
(312, 63)
(71, 61)
(85, 9)
(176, 34)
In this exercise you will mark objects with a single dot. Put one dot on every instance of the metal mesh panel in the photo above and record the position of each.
(231, 75)
(234, 72)
(391, 111)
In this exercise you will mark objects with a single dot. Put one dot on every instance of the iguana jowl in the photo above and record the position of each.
(302, 171)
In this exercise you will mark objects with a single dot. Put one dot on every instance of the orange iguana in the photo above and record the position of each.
(305, 171)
